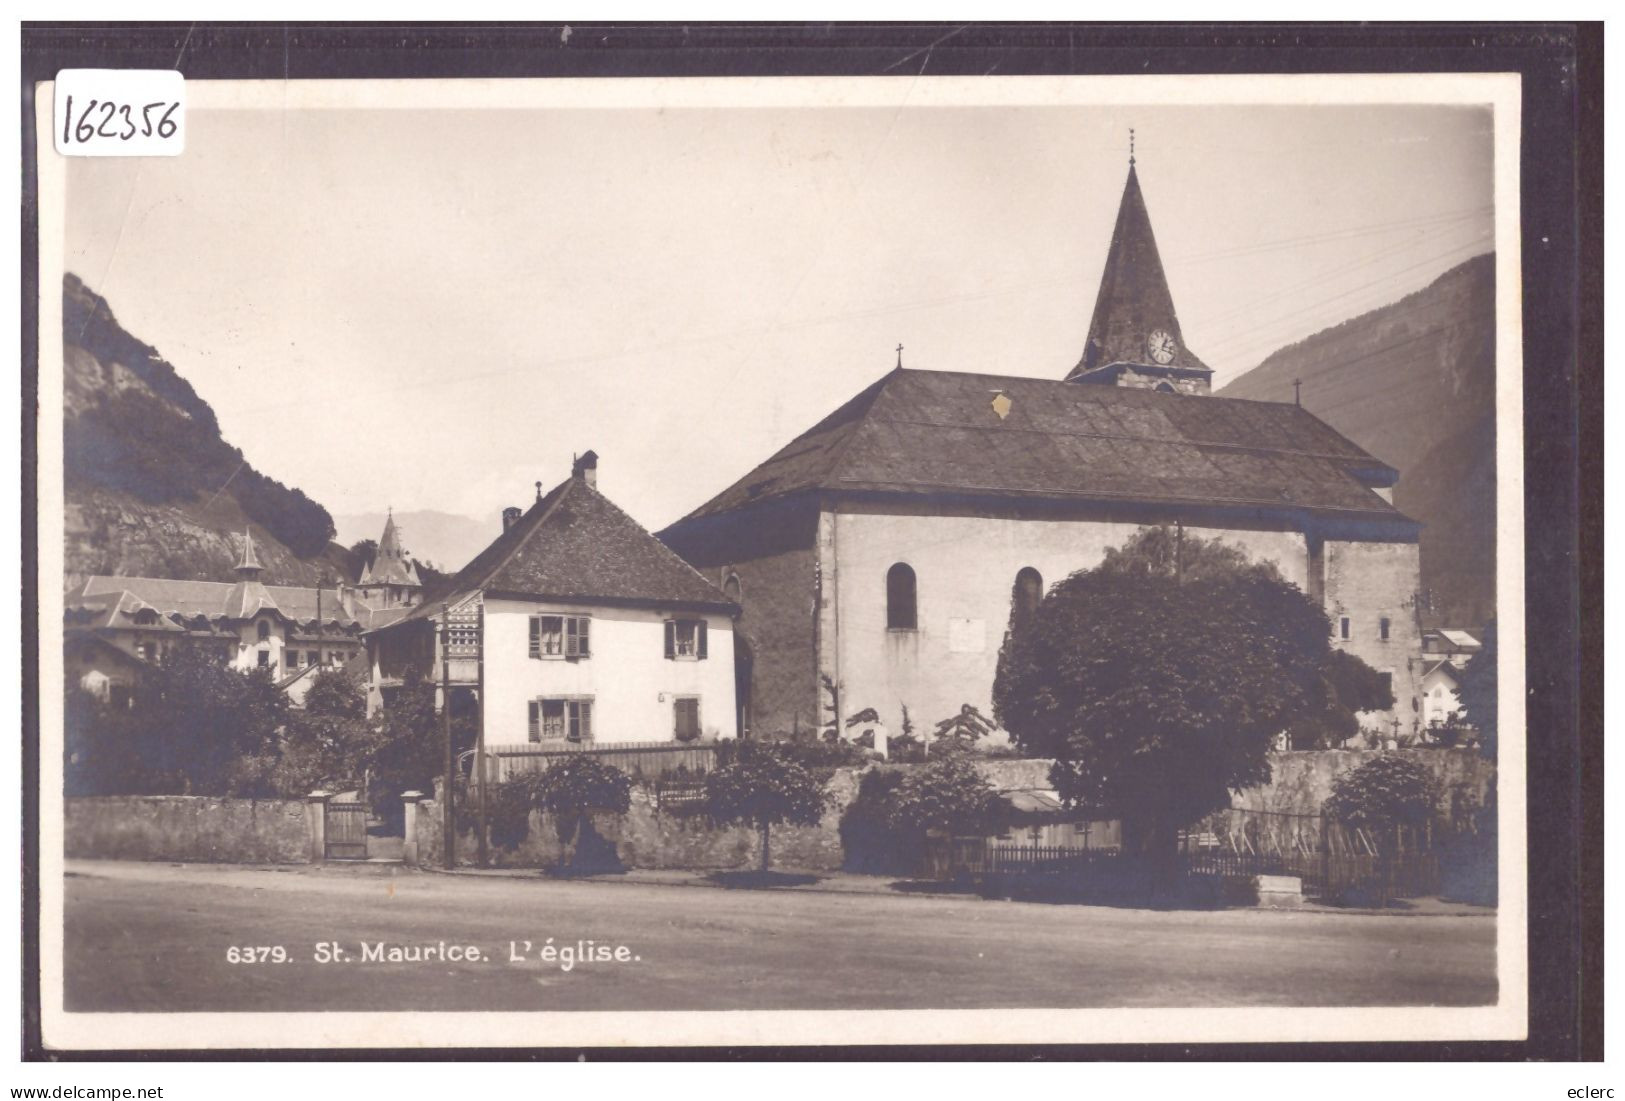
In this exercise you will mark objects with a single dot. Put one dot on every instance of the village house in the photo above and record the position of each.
(116, 625)
(1450, 643)
(879, 557)
(1441, 692)
(594, 632)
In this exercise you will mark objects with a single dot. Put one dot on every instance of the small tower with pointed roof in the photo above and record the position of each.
(1134, 335)
(248, 566)
(391, 580)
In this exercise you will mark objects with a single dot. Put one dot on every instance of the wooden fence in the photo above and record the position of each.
(1334, 861)
(645, 760)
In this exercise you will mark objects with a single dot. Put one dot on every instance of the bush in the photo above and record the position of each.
(949, 796)
(763, 788)
(869, 841)
(1383, 794)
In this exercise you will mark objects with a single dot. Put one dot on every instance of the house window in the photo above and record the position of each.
(313, 657)
(686, 718)
(560, 636)
(1343, 627)
(1382, 628)
(293, 659)
(264, 630)
(686, 639)
(901, 603)
(560, 720)
(1387, 682)
(265, 659)
(145, 651)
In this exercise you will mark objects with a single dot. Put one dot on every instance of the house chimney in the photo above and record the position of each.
(586, 468)
(510, 516)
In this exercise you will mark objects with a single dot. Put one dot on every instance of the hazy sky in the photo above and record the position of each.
(436, 309)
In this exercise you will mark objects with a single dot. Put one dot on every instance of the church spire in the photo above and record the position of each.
(1134, 335)
(248, 566)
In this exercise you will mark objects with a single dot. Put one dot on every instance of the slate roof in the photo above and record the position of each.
(575, 545)
(390, 566)
(1133, 300)
(114, 601)
(937, 432)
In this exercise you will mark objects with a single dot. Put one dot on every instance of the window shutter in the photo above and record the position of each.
(535, 717)
(586, 720)
(582, 636)
(671, 639)
(571, 638)
(700, 629)
(535, 636)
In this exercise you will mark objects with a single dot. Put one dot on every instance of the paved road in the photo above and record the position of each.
(155, 937)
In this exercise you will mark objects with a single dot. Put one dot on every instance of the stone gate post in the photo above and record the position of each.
(409, 801)
(316, 823)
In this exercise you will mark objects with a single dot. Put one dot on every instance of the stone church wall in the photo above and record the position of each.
(965, 567)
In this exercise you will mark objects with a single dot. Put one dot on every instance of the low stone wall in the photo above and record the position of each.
(647, 837)
(1301, 781)
(192, 828)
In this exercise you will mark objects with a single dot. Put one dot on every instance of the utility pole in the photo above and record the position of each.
(448, 827)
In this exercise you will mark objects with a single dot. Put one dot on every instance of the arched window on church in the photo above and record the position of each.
(901, 599)
(730, 588)
(1028, 592)
(264, 629)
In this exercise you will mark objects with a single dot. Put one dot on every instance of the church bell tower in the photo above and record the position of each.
(1134, 336)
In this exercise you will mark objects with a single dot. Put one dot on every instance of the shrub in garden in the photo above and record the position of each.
(1383, 794)
(571, 790)
(762, 787)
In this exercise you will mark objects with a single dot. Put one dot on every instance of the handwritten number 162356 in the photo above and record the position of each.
(106, 119)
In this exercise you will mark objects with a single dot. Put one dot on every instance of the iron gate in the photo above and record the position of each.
(346, 831)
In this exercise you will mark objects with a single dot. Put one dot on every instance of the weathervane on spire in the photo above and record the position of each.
(1131, 145)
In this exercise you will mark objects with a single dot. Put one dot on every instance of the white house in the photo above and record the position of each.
(593, 631)
(1441, 691)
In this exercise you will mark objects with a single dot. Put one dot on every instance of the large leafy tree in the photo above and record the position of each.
(327, 744)
(202, 728)
(407, 746)
(763, 788)
(1348, 686)
(1160, 680)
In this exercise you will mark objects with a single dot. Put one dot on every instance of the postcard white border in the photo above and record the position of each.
(1507, 1020)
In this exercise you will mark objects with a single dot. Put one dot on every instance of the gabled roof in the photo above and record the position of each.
(1133, 300)
(575, 545)
(937, 432)
(121, 597)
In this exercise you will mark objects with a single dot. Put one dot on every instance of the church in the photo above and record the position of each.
(877, 557)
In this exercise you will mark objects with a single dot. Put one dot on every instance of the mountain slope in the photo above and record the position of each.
(1414, 384)
(151, 488)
